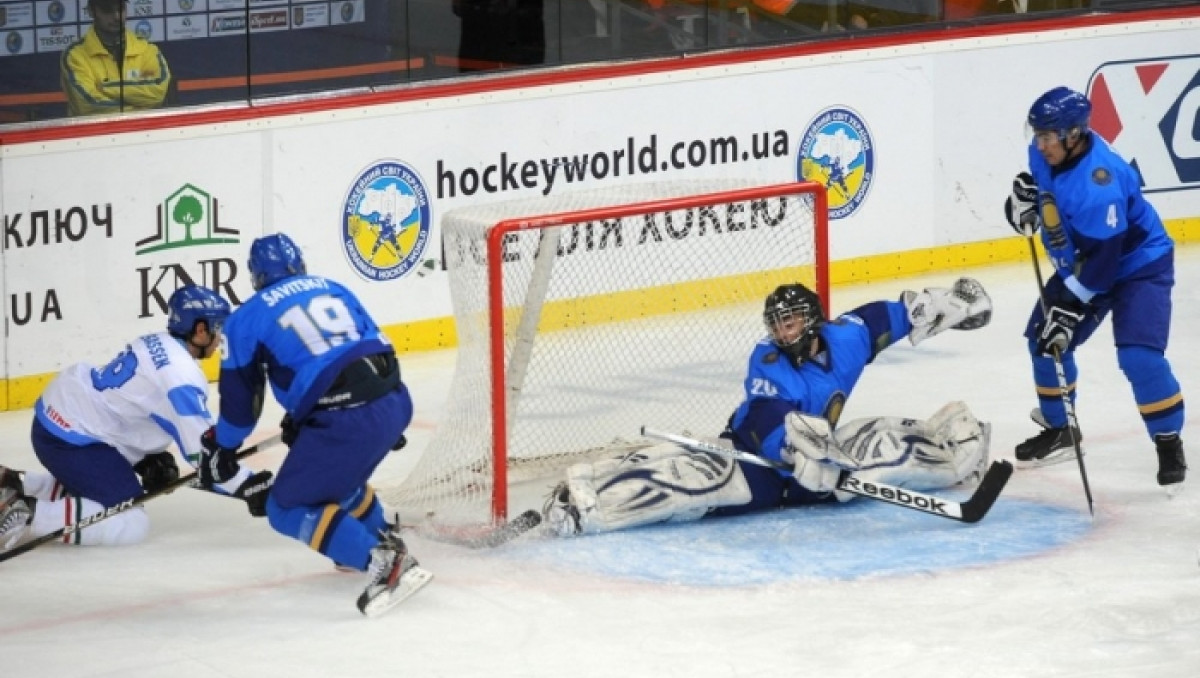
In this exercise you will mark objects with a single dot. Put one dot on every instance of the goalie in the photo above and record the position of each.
(798, 381)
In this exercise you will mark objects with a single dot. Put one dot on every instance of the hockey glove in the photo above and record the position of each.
(288, 430)
(1021, 207)
(157, 471)
(1058, 329)
(217, 464)
(810, 448)
(255, 491)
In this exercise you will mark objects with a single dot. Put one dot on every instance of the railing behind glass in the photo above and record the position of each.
(58, 59)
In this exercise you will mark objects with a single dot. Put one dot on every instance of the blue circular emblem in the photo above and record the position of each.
(143, 30)
(55, 11)
(186, 5)
(385, 221)
(837, 151)
(347, 12)
(13, 42)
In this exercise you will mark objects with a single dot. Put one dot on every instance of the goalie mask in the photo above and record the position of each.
(793, 317)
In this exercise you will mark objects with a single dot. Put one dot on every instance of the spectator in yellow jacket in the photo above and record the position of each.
(112, 69)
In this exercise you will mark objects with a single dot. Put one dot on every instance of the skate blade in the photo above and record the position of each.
(1173, 490)
(415, 579)
(1052, 459)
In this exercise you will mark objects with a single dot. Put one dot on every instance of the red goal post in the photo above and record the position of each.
(613, 309)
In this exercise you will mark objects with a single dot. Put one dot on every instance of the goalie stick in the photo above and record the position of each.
(487, 537)
(970, 511)
(189, 480)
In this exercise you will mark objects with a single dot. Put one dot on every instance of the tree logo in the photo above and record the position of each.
(188, 217)
(385, 221)
(837, 152)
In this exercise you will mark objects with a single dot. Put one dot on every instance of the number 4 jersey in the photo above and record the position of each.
(151, 395)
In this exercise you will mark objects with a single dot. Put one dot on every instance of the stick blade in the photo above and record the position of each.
(993, 482)
(475, 537)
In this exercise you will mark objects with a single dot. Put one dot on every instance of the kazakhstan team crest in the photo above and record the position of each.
(385, 221)
(837, 152)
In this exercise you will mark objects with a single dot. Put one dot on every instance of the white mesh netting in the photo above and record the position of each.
(615, 323)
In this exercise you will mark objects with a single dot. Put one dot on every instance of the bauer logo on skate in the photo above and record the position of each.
(1147, 110)
(837, 151)
(385, 221)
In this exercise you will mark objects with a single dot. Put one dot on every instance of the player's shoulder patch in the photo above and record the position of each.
(770, 357)
(1101, 176)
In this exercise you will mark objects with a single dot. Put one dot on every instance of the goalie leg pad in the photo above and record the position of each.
(965, 306)
(661, 483)
(950, 448)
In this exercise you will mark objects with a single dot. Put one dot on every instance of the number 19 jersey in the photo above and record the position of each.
(297, 334)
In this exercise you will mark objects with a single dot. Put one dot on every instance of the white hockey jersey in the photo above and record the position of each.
(151, 395)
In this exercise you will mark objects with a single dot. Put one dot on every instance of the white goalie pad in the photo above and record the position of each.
(950, 448)
(659, 483)
(965, 306)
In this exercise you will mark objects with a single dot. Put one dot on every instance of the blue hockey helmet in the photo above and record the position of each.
(782, 308)
(274, 257)
(192, 303)
(1060, 110)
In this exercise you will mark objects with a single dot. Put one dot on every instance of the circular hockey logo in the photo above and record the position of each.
(385, 221)
(837, 151)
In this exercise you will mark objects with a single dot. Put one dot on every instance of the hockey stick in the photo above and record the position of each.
(189, 480)
(970, 511)
(487, 537)
(1059, 372)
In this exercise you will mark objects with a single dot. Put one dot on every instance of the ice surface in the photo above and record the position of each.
(1038, 588)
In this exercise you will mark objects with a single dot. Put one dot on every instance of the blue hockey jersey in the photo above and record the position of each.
(297, 334)
(1098, 228)
(774, 385)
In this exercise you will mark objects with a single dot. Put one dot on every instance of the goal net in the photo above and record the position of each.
(581, 318)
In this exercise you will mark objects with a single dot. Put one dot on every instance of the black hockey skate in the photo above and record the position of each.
(15, 516)
(1172, 467)
(12, 479)
(1052, 446)
(394, 575)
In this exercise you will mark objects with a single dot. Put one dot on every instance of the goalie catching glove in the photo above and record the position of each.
(965, 306)
(1021, 207)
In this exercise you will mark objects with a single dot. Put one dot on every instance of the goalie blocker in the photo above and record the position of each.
(891, 459)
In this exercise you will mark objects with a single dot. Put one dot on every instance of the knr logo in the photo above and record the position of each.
(1150, 112)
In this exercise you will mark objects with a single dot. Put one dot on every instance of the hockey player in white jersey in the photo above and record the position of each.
(797, 382)
(103, 433)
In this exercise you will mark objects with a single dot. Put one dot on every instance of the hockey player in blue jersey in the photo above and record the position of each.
(1110, 254)
(103, 433)
(797, 382)
(337, 377)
